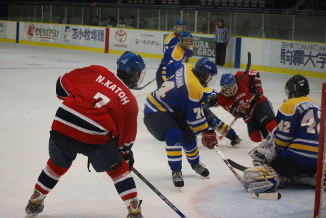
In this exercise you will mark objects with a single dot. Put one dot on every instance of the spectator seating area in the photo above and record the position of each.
(260, 4)
(202, 3)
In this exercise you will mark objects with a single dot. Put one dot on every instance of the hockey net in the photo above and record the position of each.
(320, 195)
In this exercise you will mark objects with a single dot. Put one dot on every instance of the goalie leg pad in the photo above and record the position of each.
(260, 187)
(261, 178)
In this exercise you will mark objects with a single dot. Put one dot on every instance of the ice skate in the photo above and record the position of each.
(235, 142)
(177, 179)
(36, 203)
(134, 208)
(200, 169)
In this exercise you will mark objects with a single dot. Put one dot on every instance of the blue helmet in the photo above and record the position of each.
(179, 23)
(176, 25)
(131, 69)
(228, 84)
(206, 71)
(185, 35)
(227, 79)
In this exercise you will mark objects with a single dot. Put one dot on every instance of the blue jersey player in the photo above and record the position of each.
(292, 150)
(171, 40)
(174, 114)
(181, 52)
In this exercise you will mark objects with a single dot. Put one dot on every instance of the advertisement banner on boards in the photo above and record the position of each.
(3, 29)
(83, 36)
(203, 46)
(136, 41)
(42, 32)
(296, 55)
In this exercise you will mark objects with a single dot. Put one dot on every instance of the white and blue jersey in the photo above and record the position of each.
(182, 92)
(297, 133)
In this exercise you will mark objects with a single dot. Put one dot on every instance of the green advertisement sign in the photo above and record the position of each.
(203, 46)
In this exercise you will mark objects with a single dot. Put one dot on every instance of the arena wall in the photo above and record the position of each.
(278, 56)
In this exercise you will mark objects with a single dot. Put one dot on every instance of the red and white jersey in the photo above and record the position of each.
(243, 95)
(97, 107)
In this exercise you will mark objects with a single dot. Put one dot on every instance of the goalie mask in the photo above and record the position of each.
(228, 85)
(185, 40)
(206, 71)
(131, 69)
(179, 26)
(296, 86)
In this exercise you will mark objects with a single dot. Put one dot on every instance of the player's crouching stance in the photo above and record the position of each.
(290, 154)
(242, 95)
(98, 118)
(173, 113)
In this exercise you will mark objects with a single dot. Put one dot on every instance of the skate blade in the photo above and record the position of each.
(236, 146)
(178, 188)
(30, 215)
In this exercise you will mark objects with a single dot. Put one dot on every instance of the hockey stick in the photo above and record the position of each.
(157, 192)
(264, 196)
(140, 88)
(235, 119)
(247, 69)
(236, 165)
(228, 129)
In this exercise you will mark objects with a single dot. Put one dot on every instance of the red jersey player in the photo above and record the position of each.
(242, 95)
(98, 118)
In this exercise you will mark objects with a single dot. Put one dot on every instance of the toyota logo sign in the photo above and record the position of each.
(121, 35)
(30, 31)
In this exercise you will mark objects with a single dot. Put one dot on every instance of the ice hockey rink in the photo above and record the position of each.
(28, 102)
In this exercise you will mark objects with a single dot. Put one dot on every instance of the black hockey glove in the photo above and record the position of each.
(129, 158)
(239, 111)
(211, 100)
(255, 87)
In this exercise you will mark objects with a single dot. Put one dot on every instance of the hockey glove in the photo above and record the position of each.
(255, 87)
(209, 139)
(129, 158)
(211, 100)
(239, 111)
(265, 152)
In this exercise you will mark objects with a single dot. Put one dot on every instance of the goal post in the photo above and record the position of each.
(320, 194)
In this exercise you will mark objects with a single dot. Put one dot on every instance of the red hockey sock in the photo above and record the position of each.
(256, 136)
(49, 177)
(270, 126)
(123, 181)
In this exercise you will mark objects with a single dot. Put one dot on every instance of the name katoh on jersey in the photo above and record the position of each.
(242, 96)
(175, 53)
(181, 93)
(171, 40)
(97, 106)
(297, 133)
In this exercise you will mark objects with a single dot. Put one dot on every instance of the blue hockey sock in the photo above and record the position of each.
(173, 139)
(192, 152)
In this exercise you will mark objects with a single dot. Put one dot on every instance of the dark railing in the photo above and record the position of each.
(251, 18)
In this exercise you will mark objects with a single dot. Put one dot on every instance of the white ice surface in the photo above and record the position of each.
(28, 103)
